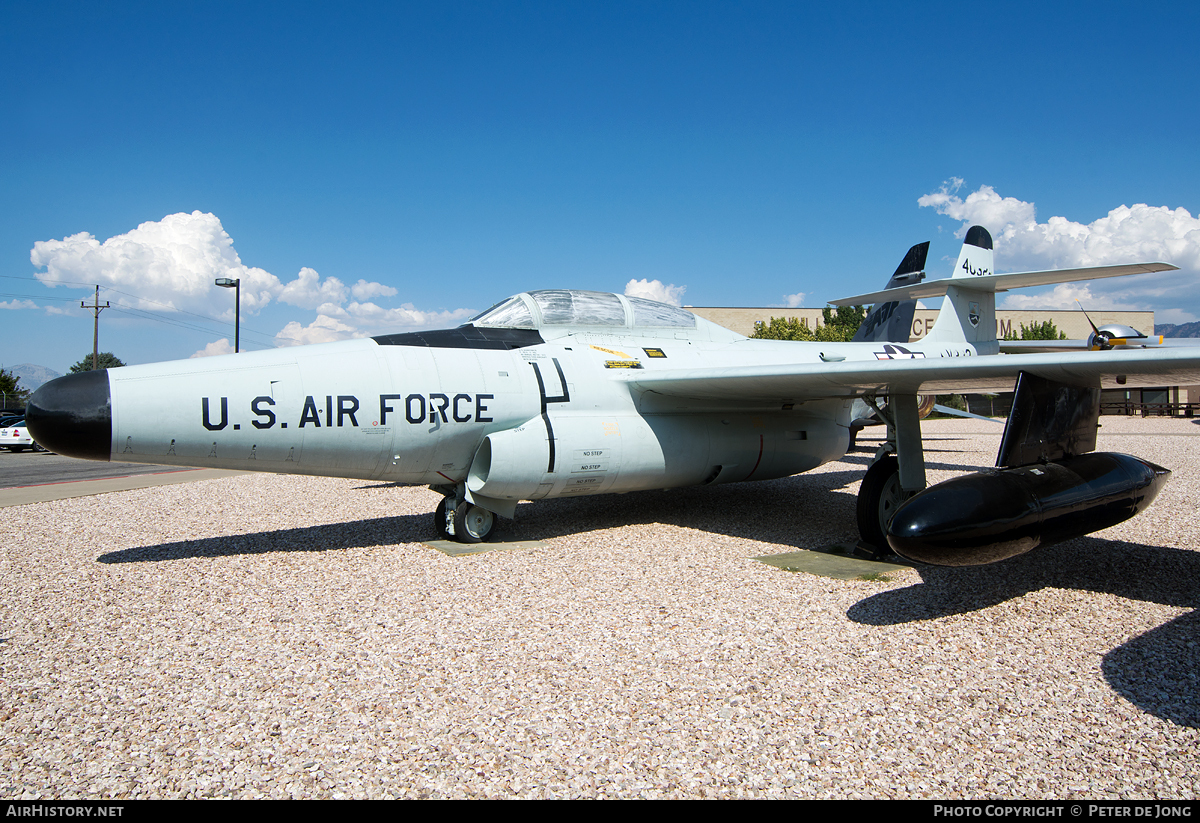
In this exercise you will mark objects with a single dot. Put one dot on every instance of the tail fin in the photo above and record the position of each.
(891, 322)
(968, 315)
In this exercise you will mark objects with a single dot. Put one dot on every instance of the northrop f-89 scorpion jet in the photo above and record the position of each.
(560, 393)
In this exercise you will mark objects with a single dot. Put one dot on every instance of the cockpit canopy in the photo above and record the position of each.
(571, 307)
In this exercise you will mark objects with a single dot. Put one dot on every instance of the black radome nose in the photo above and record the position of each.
(72, 415)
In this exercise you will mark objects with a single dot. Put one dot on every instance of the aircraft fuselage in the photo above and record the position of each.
(549, 418)
(562, 392)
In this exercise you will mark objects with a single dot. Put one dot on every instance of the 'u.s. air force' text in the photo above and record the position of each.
(343, 409)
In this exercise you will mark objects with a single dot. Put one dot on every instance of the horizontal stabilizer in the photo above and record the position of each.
(946, 410)
(1001, 282)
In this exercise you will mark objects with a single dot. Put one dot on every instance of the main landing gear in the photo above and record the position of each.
(878, 498)
(886, 487)
(463, 521)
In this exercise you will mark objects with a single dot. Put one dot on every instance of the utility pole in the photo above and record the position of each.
(96, 308)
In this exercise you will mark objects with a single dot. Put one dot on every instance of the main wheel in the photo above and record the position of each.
(472, 524)
(878, 498)
(441, 522)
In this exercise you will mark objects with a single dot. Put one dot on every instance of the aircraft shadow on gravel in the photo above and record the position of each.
(1158, 671)
(815, 511)
(785, 511)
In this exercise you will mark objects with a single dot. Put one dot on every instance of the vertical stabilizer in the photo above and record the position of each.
(891, 322)
(969, 315)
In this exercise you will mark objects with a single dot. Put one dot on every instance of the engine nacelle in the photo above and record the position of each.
(571, 453)
(999, 513)
(568, 454)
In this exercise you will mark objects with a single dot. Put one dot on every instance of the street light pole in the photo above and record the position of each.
(225, 282)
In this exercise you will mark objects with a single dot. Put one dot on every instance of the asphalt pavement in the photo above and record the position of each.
(34, 477)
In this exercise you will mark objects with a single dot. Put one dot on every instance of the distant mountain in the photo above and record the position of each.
(1178, 330)
(32, 375)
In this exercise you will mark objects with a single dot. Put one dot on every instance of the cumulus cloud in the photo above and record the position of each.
(324, 329)
(172, 263)
(308, 291)
(364, 320)
(1127, 234)
(655, 290)
(1063, 296)
(18, 304)
(1176, 316)
(362, 290)
(983, 207)
(791, 301)
(222, 346)
(371, 316)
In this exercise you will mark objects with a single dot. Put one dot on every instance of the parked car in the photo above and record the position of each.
(15, 437)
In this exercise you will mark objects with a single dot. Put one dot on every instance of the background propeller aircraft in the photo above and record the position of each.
(558, 393)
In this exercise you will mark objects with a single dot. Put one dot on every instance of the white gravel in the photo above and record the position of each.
(264, 636)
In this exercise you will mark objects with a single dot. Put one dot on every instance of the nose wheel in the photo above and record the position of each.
(442, 522)
(466, 522)
(472, 524)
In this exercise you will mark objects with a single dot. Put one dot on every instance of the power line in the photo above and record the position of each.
(139, 315)
(146, 314)
(38, 297)
(127, 294)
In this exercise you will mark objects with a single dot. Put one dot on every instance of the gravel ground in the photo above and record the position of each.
(264, 636)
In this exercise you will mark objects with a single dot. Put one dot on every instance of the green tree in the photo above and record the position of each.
(107, 360)
(11, 396)
(782, 328)
(840, 325)
(1037, 331)
(951, 401)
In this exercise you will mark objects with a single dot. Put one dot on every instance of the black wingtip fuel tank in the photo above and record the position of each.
(1046, 487)
(72, 415)
(999, 513)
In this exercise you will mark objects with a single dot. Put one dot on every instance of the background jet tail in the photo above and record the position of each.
(968, 315)
(891, 321)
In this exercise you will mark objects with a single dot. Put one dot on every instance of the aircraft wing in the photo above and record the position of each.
(1153, 342)
(981, 374)
(1032, 346)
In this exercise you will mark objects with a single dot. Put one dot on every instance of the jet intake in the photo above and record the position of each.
(999, 513)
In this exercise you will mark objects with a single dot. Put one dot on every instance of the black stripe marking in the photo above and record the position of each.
(565, 397)
(464, 337)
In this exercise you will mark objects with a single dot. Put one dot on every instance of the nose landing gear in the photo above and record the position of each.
(463, 521)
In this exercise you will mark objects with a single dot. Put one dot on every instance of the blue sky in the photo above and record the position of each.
(378, 167)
